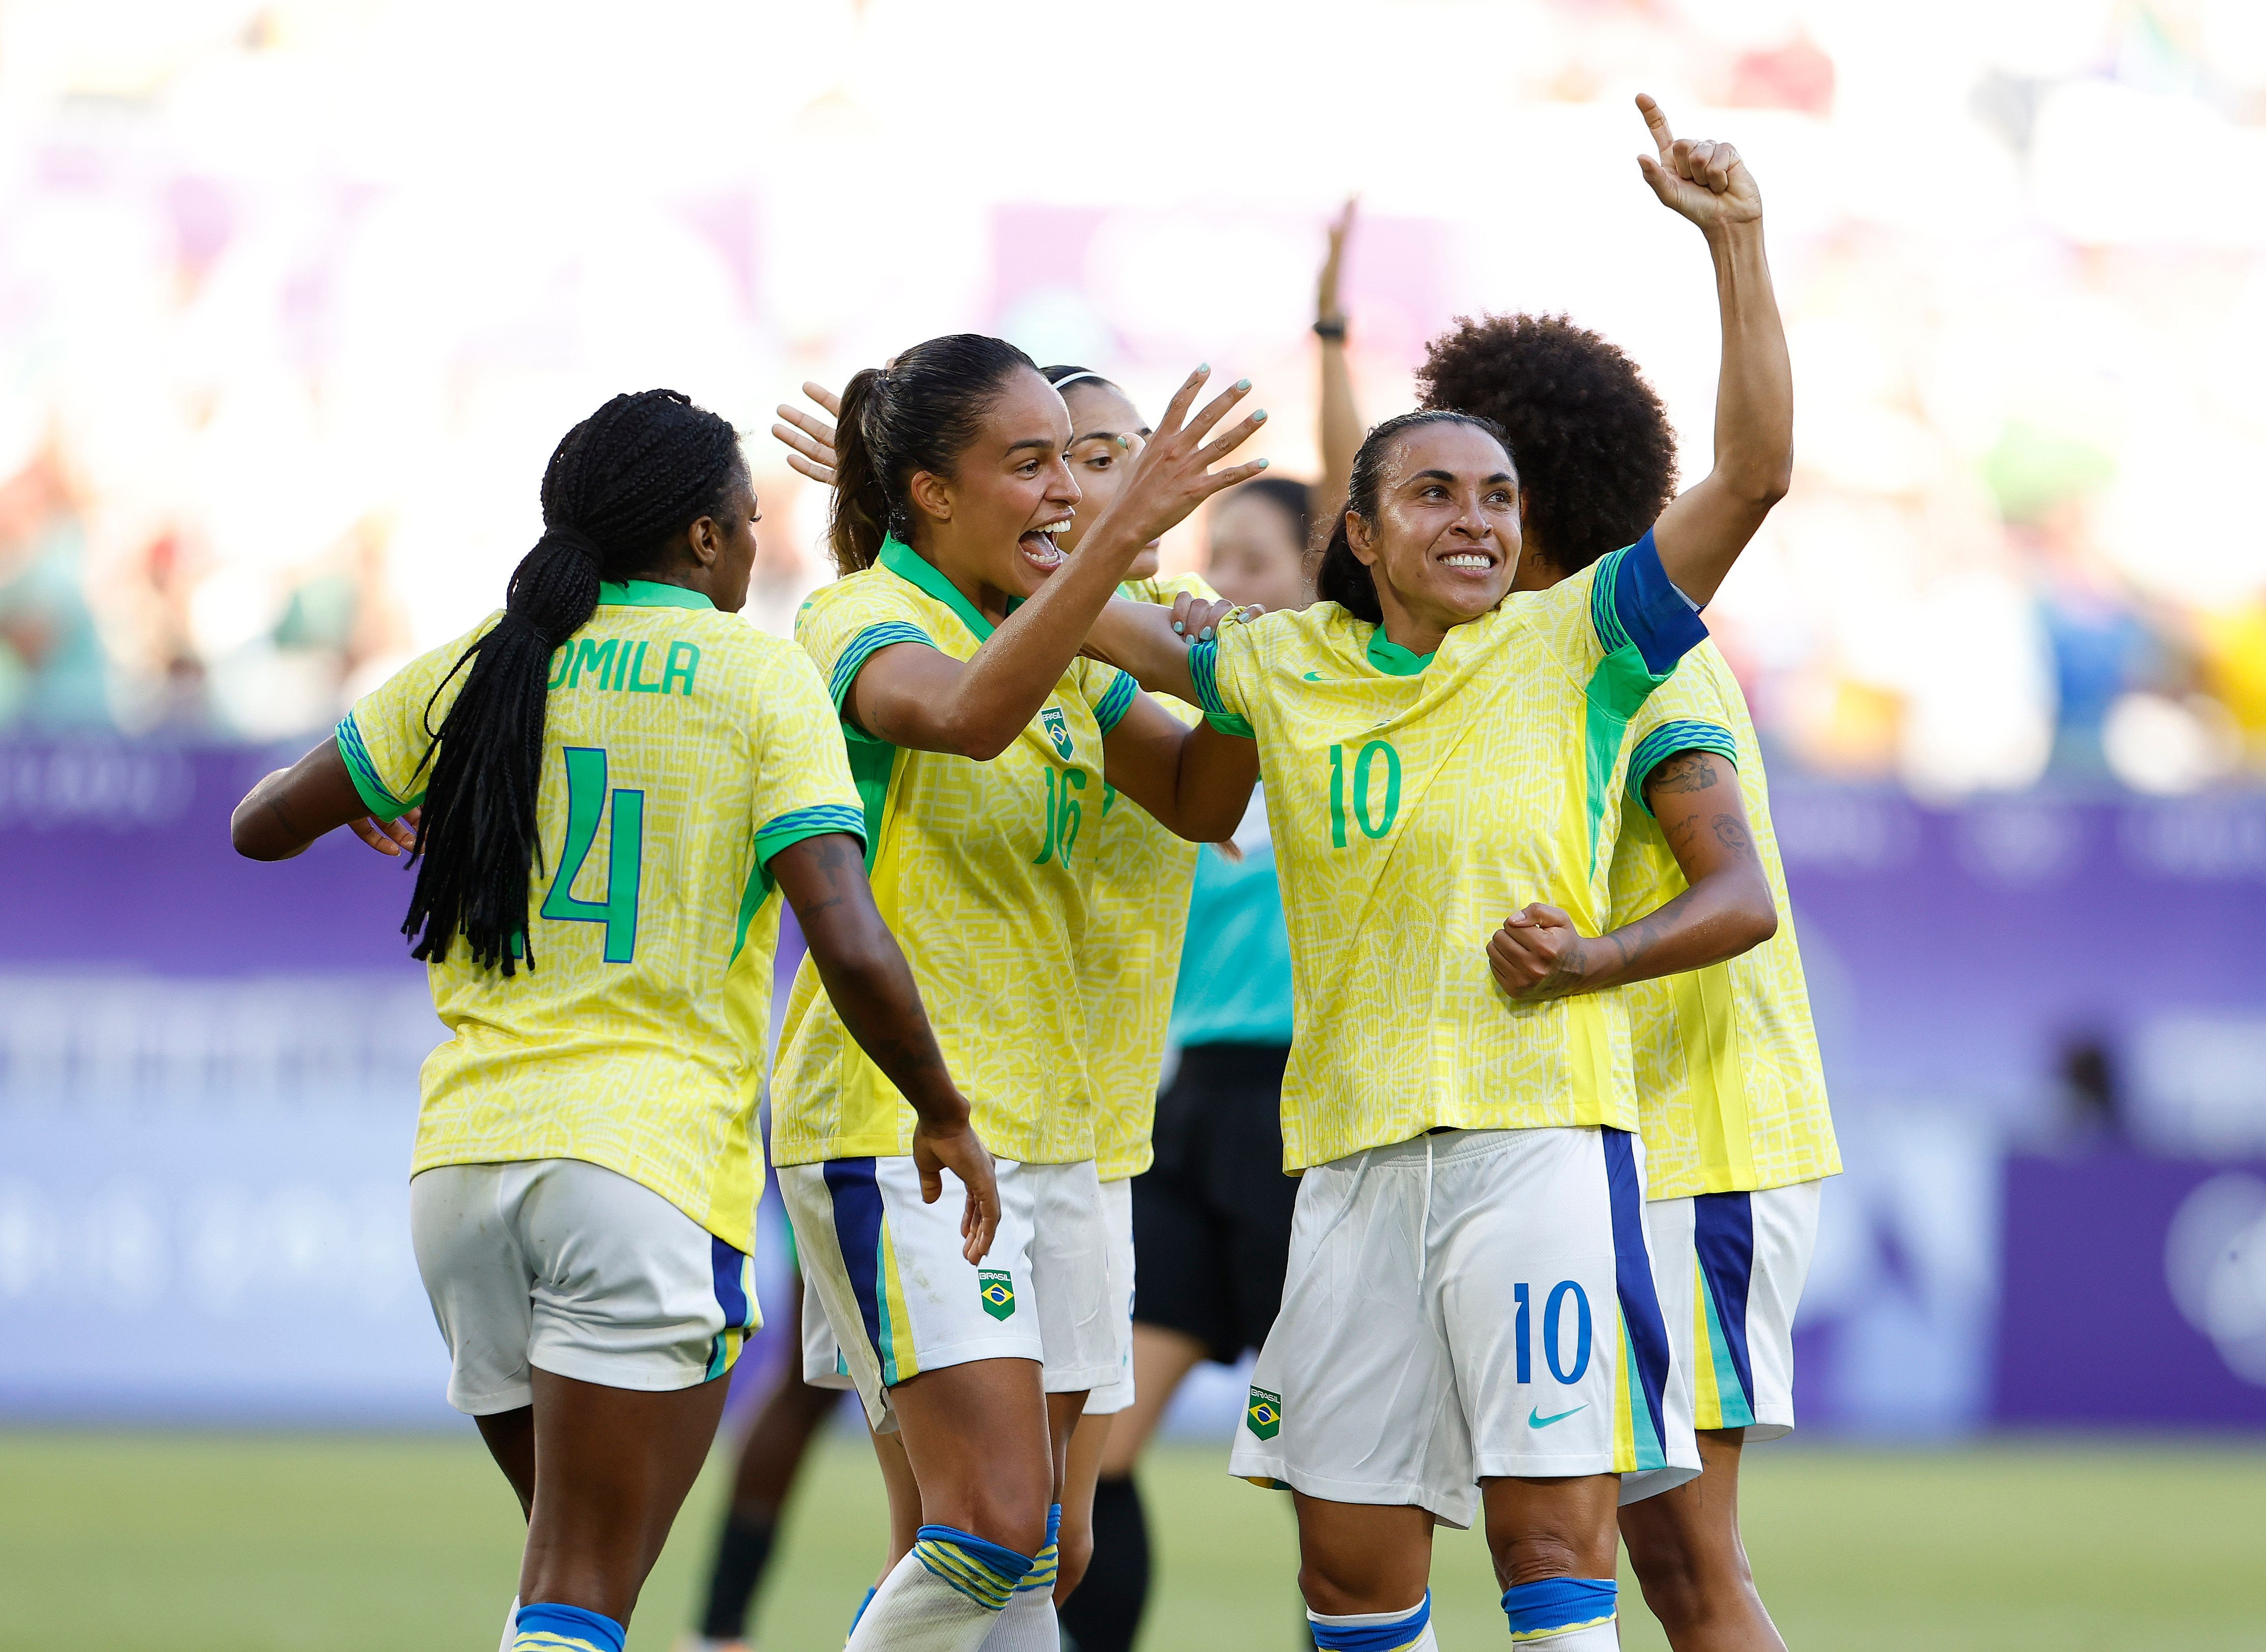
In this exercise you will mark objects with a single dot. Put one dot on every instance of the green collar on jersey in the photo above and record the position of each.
(650, 594)
(910, 564)
(1393, 660)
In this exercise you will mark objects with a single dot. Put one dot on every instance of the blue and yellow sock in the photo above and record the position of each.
(545, 1627)
(1409, 1631)
(1563, 1614)
(985, 1572)
(1048, 1560)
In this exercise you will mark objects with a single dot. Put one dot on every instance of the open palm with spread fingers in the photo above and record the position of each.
(1703, 180)
(1171, 473)
(809, 440)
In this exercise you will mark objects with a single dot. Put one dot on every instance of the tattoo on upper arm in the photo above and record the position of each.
(274, 802)
(1731, 833)
(1685, 771)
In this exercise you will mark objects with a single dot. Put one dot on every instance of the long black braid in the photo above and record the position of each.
(619, 488)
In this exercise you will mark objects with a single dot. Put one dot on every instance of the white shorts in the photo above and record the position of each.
(1469, 1305)
(556, 1263)
(822, 1364)
(902, 1299)
(1117, 1206)
(1729, 1267)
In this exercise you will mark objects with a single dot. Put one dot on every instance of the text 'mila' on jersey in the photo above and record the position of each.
(984, 870)
(1731, 1091)
(1142, 874)
(1416, 802)
(681, 750)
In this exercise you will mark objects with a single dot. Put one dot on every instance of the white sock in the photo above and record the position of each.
(1028, 1624)
(1361, 1629)
(944, 1597)
(510, 1626)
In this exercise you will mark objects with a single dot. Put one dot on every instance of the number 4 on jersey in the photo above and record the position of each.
(587, 802)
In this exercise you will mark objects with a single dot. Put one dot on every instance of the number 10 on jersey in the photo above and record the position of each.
(1373, 821)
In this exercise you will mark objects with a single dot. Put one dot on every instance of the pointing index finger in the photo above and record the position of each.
(1657, 118)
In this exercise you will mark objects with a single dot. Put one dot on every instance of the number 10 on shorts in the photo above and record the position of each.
(1554, 1331)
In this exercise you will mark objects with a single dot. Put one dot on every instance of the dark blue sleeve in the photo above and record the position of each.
(1644, 607)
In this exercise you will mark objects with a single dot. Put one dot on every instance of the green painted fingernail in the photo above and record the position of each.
(1259, 417)
(1242, 383)
(1203, 367)
(1263, 465)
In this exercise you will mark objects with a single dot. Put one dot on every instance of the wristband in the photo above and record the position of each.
(1331, 328)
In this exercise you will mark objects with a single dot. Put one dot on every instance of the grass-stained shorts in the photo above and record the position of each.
(1468, 1304)
(901, 1298)
(556, 1264)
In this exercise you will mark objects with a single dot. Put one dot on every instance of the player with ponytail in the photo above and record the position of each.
(989, 753)
(604, 787)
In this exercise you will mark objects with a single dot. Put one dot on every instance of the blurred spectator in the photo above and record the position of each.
(53, 670)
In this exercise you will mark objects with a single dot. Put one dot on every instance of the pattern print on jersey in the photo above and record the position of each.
(1142, 875)
(1415, 804)
(984, 872)
(636, 1042)
(1731, 1091)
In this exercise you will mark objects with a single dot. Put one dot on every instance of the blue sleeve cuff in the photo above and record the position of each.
(1666, 741)
(864, 646)
(1633, 601)
(815, 821)
(1203, 670)
(1110, 709)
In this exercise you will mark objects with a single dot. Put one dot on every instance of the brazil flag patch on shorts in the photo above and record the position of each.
(998, 1290)
(1264, 1414)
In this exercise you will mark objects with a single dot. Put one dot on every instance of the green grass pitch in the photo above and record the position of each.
(375, 1543)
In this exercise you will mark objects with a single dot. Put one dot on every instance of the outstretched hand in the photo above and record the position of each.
(1171, 473)
(1703, 180)
(810, 439)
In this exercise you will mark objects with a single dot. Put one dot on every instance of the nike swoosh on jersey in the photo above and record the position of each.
(1314, 676)
(1536, 1419)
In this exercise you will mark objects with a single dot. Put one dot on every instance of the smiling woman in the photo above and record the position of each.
(986, 751)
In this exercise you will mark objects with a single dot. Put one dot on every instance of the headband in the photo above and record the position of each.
(1064, 383)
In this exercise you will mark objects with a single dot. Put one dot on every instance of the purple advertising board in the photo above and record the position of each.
(2131, 1289)
(199, 1056)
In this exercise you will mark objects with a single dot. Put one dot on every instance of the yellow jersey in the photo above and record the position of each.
(1416, 802)
(1731, 1093)
(1142, 875)
(681, 750)
(984, 872)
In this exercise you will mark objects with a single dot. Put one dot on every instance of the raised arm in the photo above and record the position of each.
(858, 960)
(914, 696)
(1341, 420)
(1725, 909)
(1700, 534)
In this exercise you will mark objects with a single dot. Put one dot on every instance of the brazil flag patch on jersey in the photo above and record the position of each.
(998, 1290)
(1264, 1414)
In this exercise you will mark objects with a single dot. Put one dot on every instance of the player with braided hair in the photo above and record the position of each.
(604, 786)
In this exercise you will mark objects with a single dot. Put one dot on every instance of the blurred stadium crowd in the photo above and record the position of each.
(293, 297)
